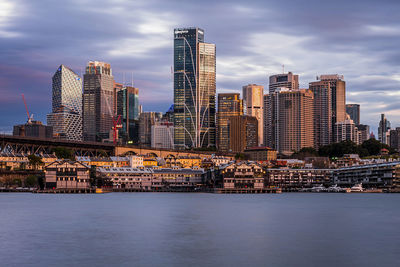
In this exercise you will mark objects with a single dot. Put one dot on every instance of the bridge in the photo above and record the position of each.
(31, 145)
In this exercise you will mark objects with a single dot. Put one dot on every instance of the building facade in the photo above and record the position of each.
(253, 106)
(243, 133)
(354, 112)
(243, 175)
(128, 110)
(384, 130)
(297, 178)
(66, 115)
(162, 135)
(287, 80)
(146, 121)
(346, 131)
(228, 105)
(98, 101)
(194, 89)
(66, 174)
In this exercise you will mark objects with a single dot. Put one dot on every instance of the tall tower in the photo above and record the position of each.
(194, 89)
(66, 116)
(128, 109)
(354, 112)
(253, 104)
(384, 130)
(228, 105)
(286, 80)
(98, 101)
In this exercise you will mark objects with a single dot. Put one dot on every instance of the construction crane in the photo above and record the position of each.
(117, 125)
(30, 116)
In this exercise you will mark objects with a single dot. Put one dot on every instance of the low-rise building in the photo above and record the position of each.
(66, 174)
(242, 175)
(297, 178)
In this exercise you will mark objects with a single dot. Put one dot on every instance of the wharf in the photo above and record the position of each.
(66, 191)
(247, 191)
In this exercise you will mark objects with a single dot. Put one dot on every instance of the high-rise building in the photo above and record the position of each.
(194, 89)
(286, 80)
(66, 115)
(146, 120)
(254, 106)
(289, 122)
(384, 130)
(162, 135)
(363, 133)
(243, 132)
(354, 112)
(128, 109)
(329, 106)
(346, 131)
(395, 139)
(98, 101)
(229, 105)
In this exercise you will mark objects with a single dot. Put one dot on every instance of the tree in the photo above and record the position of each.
(374, 147)
(35, 161)
(305, 152)
(31, 181)
(64, 153)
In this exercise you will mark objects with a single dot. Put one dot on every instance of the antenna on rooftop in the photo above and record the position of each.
(123, 78)
(132, 78)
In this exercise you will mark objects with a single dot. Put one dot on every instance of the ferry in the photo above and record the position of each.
(357, 188)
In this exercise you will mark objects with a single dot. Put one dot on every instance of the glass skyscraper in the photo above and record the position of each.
(66, 116)
(128, 109)
(194, 89)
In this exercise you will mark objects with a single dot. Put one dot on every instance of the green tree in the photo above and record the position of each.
(305, 152)
(374, 147)
(35, 161)
(31, 181)
(64, 153)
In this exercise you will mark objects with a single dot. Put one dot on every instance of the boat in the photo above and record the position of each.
(357, 188)
(318, 189)
(336, 189)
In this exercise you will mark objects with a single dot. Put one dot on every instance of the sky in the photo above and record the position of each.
(357, 39)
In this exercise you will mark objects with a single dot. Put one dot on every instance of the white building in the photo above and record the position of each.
(136, 161)
(346, 131)
(162, 135)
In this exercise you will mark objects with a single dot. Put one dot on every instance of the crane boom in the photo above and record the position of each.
(26, 107)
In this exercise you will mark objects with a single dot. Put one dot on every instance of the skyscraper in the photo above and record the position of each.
(329, 106)
(128, 109)
(286, 80)
(146, 121)
(289, 121)
(194, 89)
(98, 101)
(354, 112)
(346, 131)
(384, 130)
(243, 132)
(229, 105)
(253, 104)
(66, 115)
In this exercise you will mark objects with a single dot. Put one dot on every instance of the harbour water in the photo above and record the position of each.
(183, 229)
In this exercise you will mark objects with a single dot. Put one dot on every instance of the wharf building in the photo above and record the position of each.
(243, 133)
(66, 174)
(287, 80)
(128, 109)
(329, 107)
(254, 106)
(384, 130)
(289, 120)
(287, 178)
(66, 115)
(242, 175)
(229, 105)
(194, 89)
(98, 101)
(354, 112)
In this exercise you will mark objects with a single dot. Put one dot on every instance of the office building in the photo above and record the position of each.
(146, 120)
(329, 106)
(384, 130)
(229, 105)
(287, 80)
(128, 110)
(254, 106)
(354, 112)
(243, 132)
(98, 101)
(194, 89)
(363, 133)
(346, 131)
(66, 115)
(289, 122)
(162, 135)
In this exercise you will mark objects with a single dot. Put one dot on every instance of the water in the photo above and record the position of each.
(167, 229)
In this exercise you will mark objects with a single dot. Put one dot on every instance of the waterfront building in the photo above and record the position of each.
(287, 80)
(33, 129)
(229, 105)
(384, 130)
(98, 101)
(128, 110)
(354, 112)
(329, 106)
(380, 175)
(66, 174)
(194, 89)
(135, 161)
(66, 115)
(254, 106)
(162, 135)
(260, 153)
(297, 178)
(243, 133)
(289, 121)
(242, 175)
(146, 121)
(346, 131)
(183, 161)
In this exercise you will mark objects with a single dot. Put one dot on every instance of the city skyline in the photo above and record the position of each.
(361, 47)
